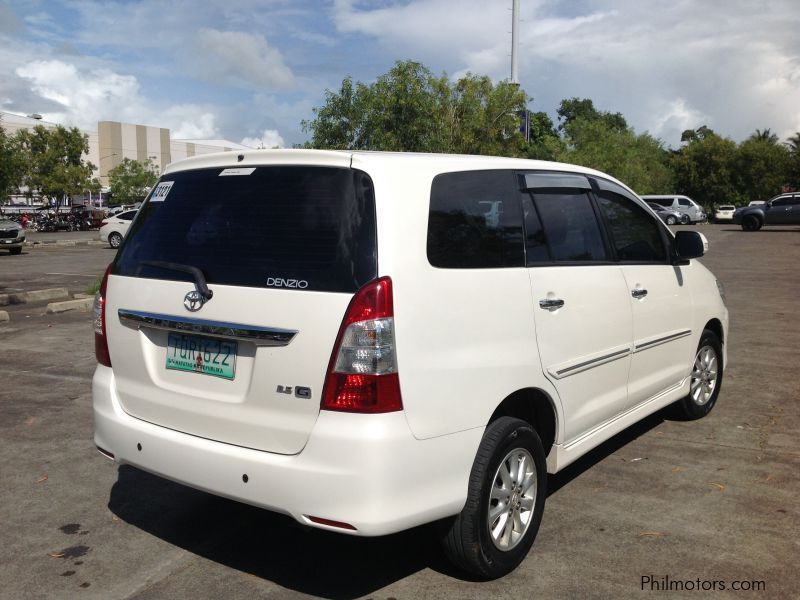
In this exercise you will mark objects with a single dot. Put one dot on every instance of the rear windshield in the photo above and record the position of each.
(310, 228)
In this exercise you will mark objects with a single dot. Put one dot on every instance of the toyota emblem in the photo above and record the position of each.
(193, 301)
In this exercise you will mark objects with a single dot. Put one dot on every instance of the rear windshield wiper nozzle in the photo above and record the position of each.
(199, 278)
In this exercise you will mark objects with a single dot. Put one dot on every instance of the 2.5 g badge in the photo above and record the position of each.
(160, 193)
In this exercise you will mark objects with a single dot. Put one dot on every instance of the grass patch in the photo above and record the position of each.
(94, 287)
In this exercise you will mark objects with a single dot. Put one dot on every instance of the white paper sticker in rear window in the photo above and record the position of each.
(161, 191)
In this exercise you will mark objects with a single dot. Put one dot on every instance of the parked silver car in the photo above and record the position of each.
(669, 216)
(12, 236)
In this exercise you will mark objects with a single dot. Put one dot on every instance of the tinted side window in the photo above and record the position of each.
(127, 216)
(781, 202)
(684, 202)
(475, 221)
(661, 201)
(634, 234)
(570, 225)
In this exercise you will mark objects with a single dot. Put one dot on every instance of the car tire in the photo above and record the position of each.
(751, 223)
(671, 220)
(114, 239)
(16, 250)
(685, 220)
(705, 379)
(498, 495)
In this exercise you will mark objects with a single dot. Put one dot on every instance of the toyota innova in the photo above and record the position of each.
(372, 341)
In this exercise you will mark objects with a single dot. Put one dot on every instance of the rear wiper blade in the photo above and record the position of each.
(199, 278)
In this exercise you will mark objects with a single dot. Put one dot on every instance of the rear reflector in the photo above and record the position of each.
(329, 523)
(362, 373)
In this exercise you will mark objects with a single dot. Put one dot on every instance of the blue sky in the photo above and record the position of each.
(250, 71)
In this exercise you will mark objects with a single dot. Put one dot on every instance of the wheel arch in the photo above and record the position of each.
(715, 325)
(534, 406)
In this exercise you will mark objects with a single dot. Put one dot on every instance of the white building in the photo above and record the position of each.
(113, 141)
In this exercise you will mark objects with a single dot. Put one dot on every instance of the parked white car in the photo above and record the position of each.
(724, 213)
(113, 228)
(372, 341)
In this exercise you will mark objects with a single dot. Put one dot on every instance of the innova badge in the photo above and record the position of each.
(193, 301)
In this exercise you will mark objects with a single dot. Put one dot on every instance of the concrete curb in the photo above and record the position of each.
(51, 243)
(60, 307)
(4, 318)
(36, 296)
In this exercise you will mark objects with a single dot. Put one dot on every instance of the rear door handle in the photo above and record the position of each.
(638, 293)
(551, 303)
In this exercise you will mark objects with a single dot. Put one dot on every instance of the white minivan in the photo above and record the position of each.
(372, 341)
(682, 204)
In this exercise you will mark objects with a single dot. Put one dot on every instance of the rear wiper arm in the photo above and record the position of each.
(199, 278)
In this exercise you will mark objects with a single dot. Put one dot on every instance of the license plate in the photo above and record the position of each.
(201, 355)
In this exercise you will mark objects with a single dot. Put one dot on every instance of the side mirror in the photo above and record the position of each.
(690, 244)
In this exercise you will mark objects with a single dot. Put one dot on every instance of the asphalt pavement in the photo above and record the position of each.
(707, 502)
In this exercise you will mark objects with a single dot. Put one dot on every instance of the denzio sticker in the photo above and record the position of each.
(161, 191)
(238, 171)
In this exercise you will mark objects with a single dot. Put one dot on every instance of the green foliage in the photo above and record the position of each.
(705, 169)
(12, 165)
(131, 180)
(639, 161)
(762, 166)
(545, 142)
(582, 109)
(54, 162)
(409, 109)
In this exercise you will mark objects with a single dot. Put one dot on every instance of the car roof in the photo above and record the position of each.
(368, 160)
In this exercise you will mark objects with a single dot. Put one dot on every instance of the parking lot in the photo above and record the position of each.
(714, 500)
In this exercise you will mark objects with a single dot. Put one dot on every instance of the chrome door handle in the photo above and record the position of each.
(551, 303)
(638, 293)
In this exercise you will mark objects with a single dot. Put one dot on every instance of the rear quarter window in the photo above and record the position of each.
(475, 221)
(274, 226)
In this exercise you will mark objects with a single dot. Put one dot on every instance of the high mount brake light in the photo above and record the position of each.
(100, 339)
(362, 373)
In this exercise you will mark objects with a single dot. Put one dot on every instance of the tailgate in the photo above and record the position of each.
(272, 400)
(282, 250)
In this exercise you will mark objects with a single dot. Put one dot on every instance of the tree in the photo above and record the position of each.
(573, 109)
(690, 135)
(705, 169)
(131, 180)
(764, 136)
(11, 164)
(545, 142)
(638, 160)
(762, 166)
(409, 109)
(54, 162)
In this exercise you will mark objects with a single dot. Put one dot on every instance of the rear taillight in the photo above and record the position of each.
(100, 339)
(362, 374)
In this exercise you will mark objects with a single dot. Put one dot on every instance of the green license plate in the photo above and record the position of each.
(201, 355)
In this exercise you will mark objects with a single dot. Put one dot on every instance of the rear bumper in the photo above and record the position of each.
(365, 470)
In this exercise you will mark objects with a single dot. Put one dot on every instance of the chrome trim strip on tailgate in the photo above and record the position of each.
(260, 336)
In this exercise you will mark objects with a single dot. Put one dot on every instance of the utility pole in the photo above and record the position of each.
(514, 42)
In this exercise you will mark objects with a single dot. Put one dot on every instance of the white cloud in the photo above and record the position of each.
(82, 97)
(241, 58)
(270, 138)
